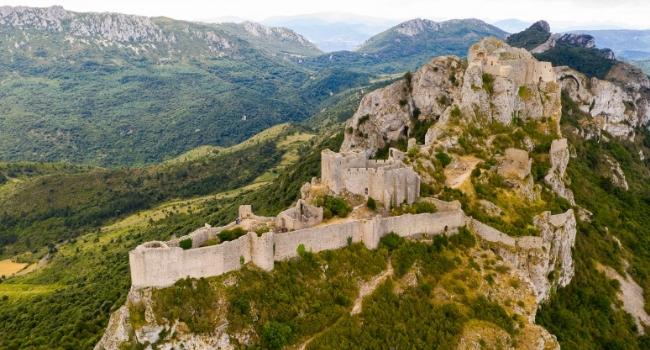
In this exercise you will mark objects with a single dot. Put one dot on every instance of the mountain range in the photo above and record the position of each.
(86, 87)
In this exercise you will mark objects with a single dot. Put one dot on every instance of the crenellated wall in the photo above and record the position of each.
(157, 264)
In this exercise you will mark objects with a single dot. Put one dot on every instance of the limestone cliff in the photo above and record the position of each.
(613, 109)
(556, 179)
(545, 260)
(498, 82)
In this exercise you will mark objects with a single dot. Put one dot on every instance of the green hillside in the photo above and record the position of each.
(54, 203)
(141, 90)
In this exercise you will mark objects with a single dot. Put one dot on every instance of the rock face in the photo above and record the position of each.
(383, 116)
(108, 26)
(616, 174)
(499, 83)
(543, 260)
(559, 156)
(614, 110)
(120, 331)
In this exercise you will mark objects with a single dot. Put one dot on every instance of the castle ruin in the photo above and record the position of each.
(390, 181)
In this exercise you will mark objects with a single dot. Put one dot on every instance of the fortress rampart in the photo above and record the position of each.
(160, 264)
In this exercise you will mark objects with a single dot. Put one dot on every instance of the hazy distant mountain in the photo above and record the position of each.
(408, 45)
(512, 25)
(332, 31)
(628, 44)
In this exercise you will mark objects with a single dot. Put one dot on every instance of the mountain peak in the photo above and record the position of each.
(416, 26)
(541, 26)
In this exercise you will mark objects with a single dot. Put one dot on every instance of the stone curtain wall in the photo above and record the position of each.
(162, 266)
(159, 264)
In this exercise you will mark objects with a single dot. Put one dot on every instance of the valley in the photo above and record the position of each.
(169, 184)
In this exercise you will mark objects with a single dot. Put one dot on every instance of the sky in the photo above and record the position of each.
(564, 13)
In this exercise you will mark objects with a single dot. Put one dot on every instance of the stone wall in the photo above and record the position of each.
(390, 181)
(157, 264)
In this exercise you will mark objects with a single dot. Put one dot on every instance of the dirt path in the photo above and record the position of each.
(368, 287)
(365, 289)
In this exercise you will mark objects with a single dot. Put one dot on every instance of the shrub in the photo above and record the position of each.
(444, 158)
(186, 243)
(275, 335)
(363, 120)
(333, 206)
(230, 235)
(371, 203)
(301, 250)
(420, 128)
(487, 310)
(464, 238)
(391, 241)
(189, 300)
(426, 190)
(488, 83)
(524, 93)
(455, 112)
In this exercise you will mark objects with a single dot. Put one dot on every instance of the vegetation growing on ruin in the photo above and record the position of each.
(333, 206)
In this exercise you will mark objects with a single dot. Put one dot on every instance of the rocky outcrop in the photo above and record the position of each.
(616, 174)
(514, 166)
(435, 86)
(108, 26)
(121, 332)
(499, 83)
(555, 178)
(383, 116)
(612, 108)
(502, 82)
(545, 260)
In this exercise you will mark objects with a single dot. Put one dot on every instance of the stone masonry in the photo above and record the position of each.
(390, 181)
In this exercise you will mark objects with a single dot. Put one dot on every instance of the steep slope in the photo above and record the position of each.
(114, 89)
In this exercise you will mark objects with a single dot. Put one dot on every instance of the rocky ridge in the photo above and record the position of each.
(140, 33)
(498, 82)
